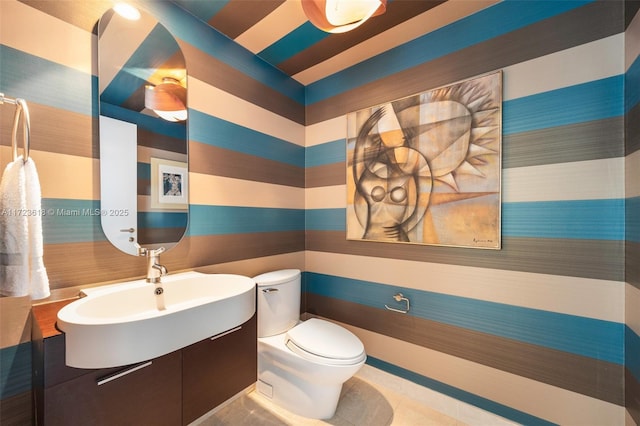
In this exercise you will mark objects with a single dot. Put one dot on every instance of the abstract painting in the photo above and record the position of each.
(426, 169)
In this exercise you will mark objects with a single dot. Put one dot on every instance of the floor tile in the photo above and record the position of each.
(363, 402)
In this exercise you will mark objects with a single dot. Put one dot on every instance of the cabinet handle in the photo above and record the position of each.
(122, 373)
(224, 333)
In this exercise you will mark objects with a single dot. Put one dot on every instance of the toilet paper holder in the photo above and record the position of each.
(399, 297)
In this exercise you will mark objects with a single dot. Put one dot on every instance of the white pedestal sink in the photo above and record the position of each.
(121, 324)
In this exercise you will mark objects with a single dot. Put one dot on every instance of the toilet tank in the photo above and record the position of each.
(278, 301)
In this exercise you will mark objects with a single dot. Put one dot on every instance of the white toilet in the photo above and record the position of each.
(301, 365)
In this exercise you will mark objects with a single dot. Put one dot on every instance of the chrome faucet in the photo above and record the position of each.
(155, 271)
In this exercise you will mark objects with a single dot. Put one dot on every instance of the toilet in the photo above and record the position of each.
(301, 364)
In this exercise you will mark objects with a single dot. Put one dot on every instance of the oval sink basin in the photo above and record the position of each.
(126, 323)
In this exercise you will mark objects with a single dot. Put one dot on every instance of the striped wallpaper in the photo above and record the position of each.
(536, 329)
(632, 210)
(537, 332)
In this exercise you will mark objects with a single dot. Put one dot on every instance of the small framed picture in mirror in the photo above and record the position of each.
(169, 184)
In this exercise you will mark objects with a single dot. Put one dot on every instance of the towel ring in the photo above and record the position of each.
(21, 108)
(399, 297)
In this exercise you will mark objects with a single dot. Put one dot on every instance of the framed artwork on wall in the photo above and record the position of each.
(426, 169)
(169, 184)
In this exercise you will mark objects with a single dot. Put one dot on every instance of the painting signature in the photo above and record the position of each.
(475, 240)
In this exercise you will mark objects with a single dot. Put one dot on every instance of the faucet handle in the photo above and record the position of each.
(143, 251)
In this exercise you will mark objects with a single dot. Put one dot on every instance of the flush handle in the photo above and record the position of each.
(269, 290)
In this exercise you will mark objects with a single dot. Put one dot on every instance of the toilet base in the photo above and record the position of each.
(303, 387)
(314, 402)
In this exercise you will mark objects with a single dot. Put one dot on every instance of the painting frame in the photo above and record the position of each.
(169, 184)
(426, 169)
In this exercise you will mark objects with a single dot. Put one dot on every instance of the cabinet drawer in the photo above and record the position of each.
(143, 394)
(216, 369)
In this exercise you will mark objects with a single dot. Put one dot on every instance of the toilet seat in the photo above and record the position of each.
(325, 343)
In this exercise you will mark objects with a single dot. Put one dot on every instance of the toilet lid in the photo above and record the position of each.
(325, 342)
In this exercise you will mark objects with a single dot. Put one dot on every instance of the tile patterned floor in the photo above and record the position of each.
(371, 398)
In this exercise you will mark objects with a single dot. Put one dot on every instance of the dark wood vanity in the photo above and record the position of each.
(174, 389)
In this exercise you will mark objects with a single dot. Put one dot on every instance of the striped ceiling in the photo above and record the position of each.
(278, 31)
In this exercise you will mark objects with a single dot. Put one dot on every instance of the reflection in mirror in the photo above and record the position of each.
(142, 81)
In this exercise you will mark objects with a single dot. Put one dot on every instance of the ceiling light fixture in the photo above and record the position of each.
(168, 99)
(339, 16)
(127, 11)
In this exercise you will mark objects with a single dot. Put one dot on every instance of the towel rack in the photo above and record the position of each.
(21, 108)
(399, 297)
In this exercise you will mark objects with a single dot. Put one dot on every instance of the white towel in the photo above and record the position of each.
(22, 270)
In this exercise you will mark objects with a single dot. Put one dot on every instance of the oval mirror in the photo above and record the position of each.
(142, 90)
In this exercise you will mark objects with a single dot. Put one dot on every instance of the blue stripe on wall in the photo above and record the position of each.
(325, 219)
(15, 370)
(71, 221)
(459, 394)
(594, 100)
(579, 219)
(162, 220)
(326, 153)
(224, 134)
(48, 83)
(633, 219)
(494, 21)
(632, 348)
(190, 29)
(223, 220)
(588, 337)
(632, 81)
(143, 170)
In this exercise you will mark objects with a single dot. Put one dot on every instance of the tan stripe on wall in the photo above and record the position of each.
(577, 258)
(326, 175)
(632, 395)
(56, 130)
(162, 142)
(17, 410)
(575, 142)
(632, 270)
(633, 130)
(73, 264)
(82, 14)
(238, 16)
(222, 191)
(216, 161)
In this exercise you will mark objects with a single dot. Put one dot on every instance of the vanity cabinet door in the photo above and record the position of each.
(142, 394)
(216, 369)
